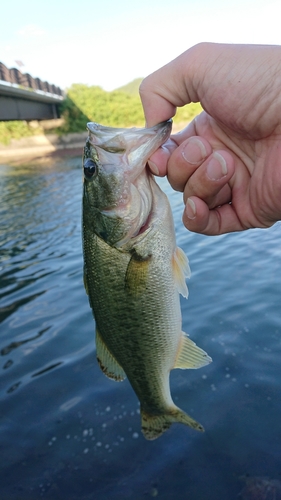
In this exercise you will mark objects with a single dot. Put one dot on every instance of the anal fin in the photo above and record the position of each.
(107, 362)
(190, 355)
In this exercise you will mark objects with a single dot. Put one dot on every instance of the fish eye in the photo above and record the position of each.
(90, 168)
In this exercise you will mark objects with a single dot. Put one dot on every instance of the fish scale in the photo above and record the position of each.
(133, 272)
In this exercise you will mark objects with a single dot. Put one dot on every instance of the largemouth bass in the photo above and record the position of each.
(134, 272)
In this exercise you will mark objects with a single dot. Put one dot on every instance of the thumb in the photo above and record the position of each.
(167, 88)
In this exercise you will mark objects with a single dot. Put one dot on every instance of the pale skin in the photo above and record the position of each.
(227, 161)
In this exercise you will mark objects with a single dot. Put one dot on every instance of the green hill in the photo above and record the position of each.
(131, 88)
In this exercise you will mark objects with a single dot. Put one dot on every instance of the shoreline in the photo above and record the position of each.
(42, 147)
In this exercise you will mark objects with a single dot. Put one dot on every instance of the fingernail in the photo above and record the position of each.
(153, 168)
(216, 168)
(190, 209)
(194, 151)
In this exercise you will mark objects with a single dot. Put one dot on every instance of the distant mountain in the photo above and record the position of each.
(131, 88)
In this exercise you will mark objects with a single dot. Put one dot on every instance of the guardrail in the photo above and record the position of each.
(23, 97)
(15, 76)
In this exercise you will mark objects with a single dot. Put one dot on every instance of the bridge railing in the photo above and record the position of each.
(14, 76)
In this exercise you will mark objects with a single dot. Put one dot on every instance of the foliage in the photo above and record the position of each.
(185, 114)
(116, 109)
(119, 108)
(131, 88)
(14, 130)
(74, 120)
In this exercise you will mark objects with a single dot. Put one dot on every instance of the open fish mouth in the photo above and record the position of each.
(120, 184)
(121, 136)
(134, 144)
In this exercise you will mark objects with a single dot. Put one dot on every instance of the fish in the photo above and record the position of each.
(134, 271)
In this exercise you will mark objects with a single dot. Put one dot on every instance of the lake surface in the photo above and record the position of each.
(68, 432)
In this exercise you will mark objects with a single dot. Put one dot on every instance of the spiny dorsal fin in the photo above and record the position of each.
(107, 362)
(181, 270)
(190, 355)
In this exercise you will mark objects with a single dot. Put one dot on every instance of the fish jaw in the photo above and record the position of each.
(138, 144)
(131, 147)
(117, 187)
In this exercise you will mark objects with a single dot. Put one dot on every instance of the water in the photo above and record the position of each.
(69, 432)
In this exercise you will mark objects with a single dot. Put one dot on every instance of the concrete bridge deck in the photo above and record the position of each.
(23, 97)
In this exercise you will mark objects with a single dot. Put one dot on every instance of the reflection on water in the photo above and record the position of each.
(66, 430)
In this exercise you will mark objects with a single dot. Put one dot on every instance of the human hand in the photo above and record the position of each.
(228, 160)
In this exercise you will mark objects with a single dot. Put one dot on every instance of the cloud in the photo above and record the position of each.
(31, 30)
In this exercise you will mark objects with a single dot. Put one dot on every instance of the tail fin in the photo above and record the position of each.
(153, 426)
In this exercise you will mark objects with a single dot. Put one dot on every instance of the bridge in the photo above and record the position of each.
(23, 97)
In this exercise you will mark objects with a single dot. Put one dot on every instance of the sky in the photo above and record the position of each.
(111, 42)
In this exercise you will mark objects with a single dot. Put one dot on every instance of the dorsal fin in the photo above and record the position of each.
(107, 362)
(181, 270)
(190, 355)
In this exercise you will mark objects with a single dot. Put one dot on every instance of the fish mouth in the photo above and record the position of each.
(133, 142)
(103, 134)
(125, 184)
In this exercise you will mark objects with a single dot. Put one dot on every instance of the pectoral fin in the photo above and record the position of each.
(181, 270)
(107, 362)
(190, 355)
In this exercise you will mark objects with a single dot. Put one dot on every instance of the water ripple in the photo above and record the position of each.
(78, 433)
